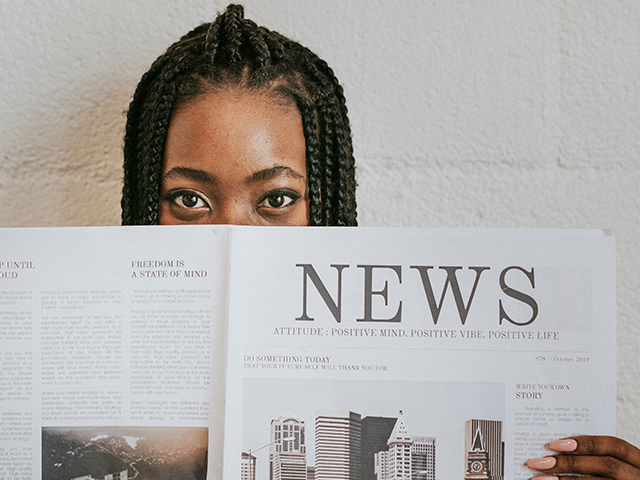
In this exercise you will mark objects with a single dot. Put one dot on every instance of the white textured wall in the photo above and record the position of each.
(522, 113)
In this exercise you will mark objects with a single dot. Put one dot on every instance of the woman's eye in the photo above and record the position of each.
(278, 200)
(190, 200)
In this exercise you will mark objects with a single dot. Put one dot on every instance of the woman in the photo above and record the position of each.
(237, 124)
(231, 66)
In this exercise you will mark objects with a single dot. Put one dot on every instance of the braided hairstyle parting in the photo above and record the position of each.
(235, 51)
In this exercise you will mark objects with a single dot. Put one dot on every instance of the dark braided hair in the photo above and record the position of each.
(235, 51)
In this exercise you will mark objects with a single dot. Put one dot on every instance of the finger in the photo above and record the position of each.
(602, 466)
(603, 446)
(598, 467)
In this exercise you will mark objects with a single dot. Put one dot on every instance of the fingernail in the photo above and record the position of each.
(541, 463)
(545, 477)
(568, 445)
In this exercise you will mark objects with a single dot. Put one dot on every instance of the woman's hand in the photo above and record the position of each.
(599, 456)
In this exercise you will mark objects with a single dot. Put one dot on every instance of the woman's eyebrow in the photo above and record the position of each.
(191, 174)
(273, 172)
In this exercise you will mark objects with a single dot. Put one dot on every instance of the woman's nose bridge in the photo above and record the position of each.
(233, 212)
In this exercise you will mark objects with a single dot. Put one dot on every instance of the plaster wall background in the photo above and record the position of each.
(465, 114)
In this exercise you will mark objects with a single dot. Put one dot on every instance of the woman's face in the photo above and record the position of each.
(235, 157)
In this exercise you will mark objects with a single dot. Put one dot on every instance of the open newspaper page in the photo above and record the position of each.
(113, 353)
(415, 354)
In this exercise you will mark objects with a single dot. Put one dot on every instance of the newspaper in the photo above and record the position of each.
(267, 353)
(421, 354)
(113, 351)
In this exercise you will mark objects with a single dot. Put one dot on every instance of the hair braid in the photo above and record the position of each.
(211, 42)
(232, 29)
(234, 50)
(309, 125)
(260, 47)
(275, 47)
(326, 141)
(145, 137)
(345, 193)
(153, 149)
(331, 121)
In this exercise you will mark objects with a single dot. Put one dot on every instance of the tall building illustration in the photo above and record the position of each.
(248, 467)
(423, 458)
(375, 433)
(406, 457)
(338, 441)
(381, 465)
(484, 450)
(400, 443)
(288, 450)
(289, 466)
(311, 472)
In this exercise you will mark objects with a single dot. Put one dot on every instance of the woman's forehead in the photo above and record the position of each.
(235, 127)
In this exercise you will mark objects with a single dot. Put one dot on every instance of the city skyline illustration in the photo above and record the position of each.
(427, 411)
(347, 446)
